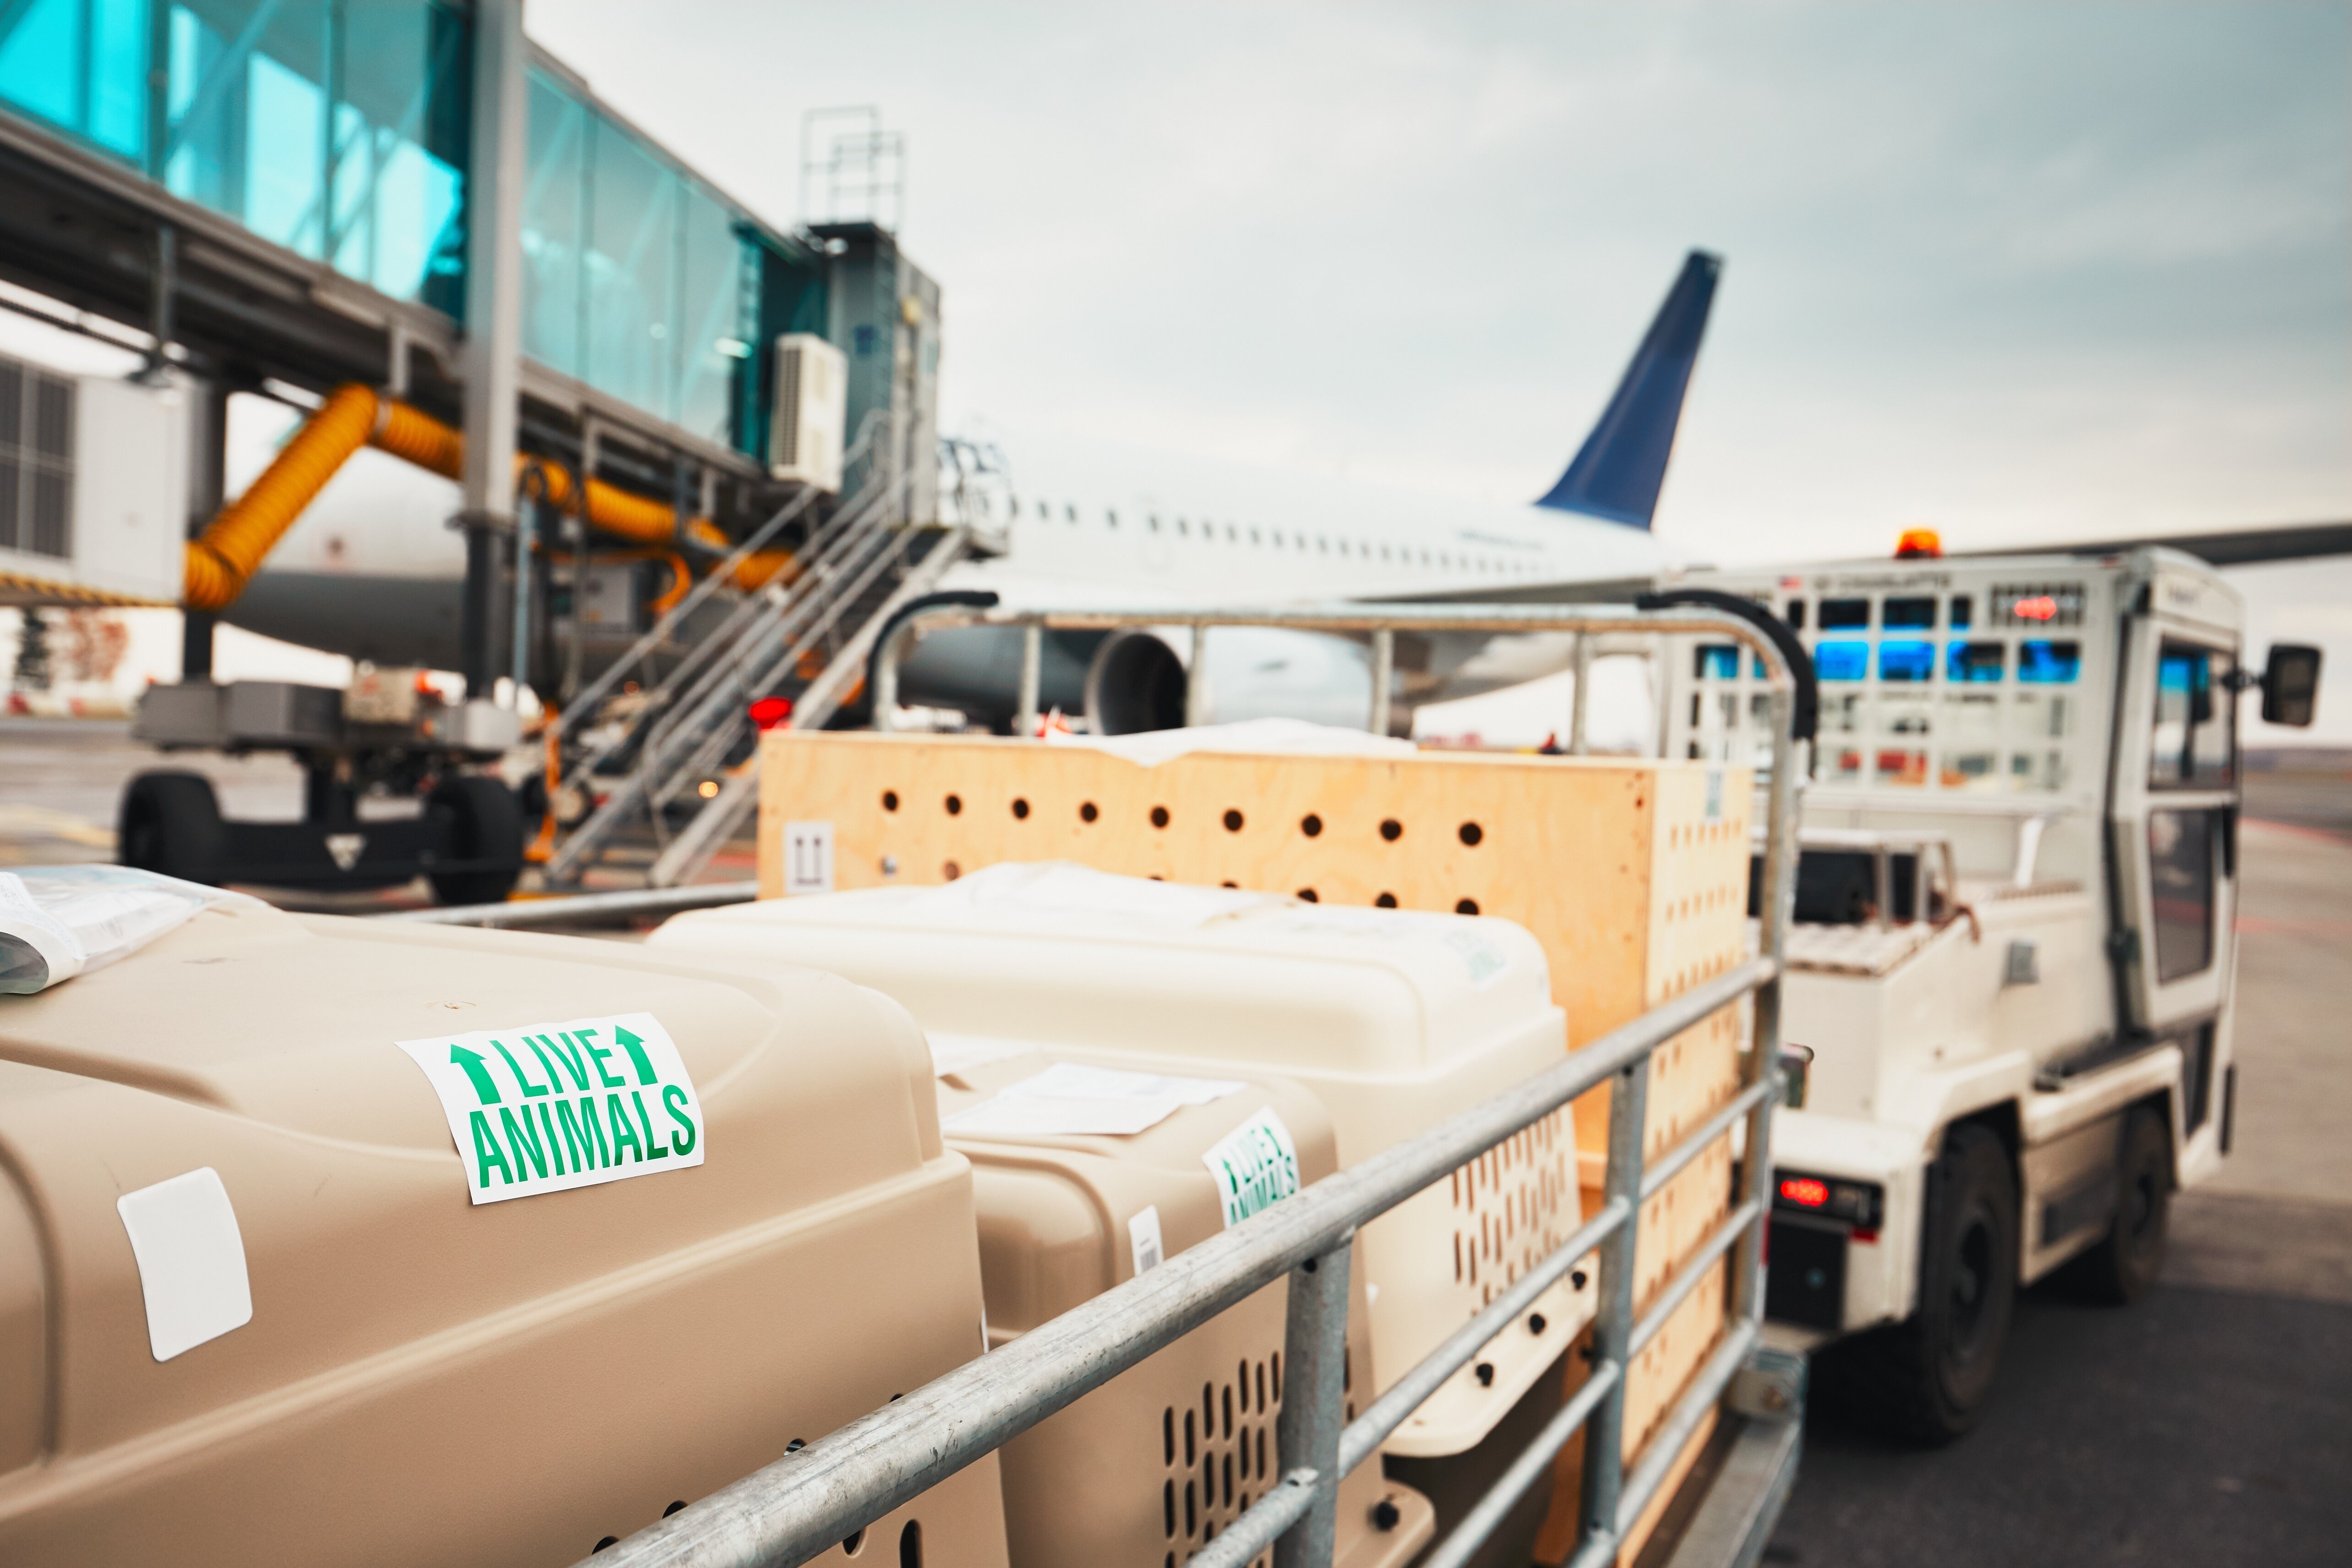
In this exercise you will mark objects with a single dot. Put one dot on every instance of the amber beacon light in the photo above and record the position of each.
(1919, 544)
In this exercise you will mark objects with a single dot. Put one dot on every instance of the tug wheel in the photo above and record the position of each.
(484, 825)
(2124, 1266)
(1930, 1376)
(171, 823)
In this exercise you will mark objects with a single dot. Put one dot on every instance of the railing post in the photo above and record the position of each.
(1196, 679)
(1033, 667)
(1580, 699)
(1313, 1358)
(1790, 758)
(1613, 1322)
(1383, 678)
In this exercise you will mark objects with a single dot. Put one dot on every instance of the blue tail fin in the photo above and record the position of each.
(1617, 472)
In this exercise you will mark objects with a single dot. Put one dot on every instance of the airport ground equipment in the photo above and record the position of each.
(326, 1347)
(1393, 1019)
(2012, 961)
(1633, 970)
(793, 1510)
(1166, 1456)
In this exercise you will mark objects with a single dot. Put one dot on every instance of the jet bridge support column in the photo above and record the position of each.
(493, 327)
(207, 493)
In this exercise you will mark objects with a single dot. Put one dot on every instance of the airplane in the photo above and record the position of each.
(372, 570)
(1252, 541)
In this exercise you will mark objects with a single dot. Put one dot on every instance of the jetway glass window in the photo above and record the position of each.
(337, 130)
(635, 273)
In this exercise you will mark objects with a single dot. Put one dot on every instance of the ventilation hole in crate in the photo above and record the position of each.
(1159, 816)
(1261, 1451)
(1347, 1369)
(1310, 824)
(1260, 1389)
(1465, 907)
(1277, 1377)
(610, 1541)
(1020, 810)
(950, 870)
(1391, 829)
(1385, 901)
(1228, 1480)
(673, 1508)
(1192, 1510)
(890, 800)
(1087, 811)
(955, 805)
(1232, 821)
(1168, 1433)
(910, 1545)
(1228, 1402)
(1208, 1412)
(1471, 834)
(1192, 1446)
(1229, 883)
(1308, 895)
(1168, 1505)
(853, 1544)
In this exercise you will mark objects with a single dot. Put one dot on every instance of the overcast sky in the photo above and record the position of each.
(2021, 273)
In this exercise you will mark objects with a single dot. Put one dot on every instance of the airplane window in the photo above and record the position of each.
(1070, 511)
(1111, 516)
(1255, 538)
(1323, 544)
(1153, 523)
(1233, 534)
(1044, 512)
(1184, 527)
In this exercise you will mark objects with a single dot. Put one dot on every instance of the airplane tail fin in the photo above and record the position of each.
(1617, 471)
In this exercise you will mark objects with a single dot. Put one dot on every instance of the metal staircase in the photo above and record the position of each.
(805, 640)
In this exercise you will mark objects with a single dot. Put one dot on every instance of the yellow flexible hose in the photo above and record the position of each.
(226, 554)
(220, 560)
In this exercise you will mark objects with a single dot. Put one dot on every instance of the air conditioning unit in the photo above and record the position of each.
(93, 488)
(812, 410)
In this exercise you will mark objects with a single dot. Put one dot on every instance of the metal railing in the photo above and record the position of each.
(820, 1495)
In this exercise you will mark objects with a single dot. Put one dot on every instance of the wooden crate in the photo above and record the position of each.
(1631, 874)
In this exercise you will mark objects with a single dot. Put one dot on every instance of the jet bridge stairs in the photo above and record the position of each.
(661, 779)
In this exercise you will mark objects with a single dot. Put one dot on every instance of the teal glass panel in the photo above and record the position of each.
(1841, 661)
(1905, 660)
(399, 151)
(118, 77)
(285, 177)
(554, 215)
(630, 269)
(709, 297)
(2048, 664)
(41, 70)
(1717, 661)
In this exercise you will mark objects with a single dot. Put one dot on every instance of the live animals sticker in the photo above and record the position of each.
(1255, 1166)
(544, 1107)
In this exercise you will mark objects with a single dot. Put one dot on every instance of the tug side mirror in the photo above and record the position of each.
(2291, 684)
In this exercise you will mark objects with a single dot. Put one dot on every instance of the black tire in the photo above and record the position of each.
(1929, 1377)
(2123, 1266)
(171, 822)
(485, 825)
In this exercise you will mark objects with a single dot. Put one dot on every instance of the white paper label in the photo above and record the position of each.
(1077, 1081)
(1018, 1116)
(1143, 1237)
(808, 857)
(191, 1259)
(1255, 1166)
(543, 1107)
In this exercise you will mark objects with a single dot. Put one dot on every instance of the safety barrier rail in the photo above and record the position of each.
(827, 1491)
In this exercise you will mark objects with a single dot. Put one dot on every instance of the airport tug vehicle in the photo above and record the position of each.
(2007, 1012)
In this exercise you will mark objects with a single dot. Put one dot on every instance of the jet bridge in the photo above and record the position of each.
(407, 212)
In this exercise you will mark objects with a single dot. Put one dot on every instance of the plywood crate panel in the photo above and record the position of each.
(1632, 873)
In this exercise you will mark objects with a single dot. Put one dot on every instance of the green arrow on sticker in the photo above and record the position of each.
(472, 1063)
(636, 1050)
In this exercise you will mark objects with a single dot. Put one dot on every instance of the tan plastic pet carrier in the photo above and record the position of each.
(1396, 1021)
(255, 1308)
(1148, 1468)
